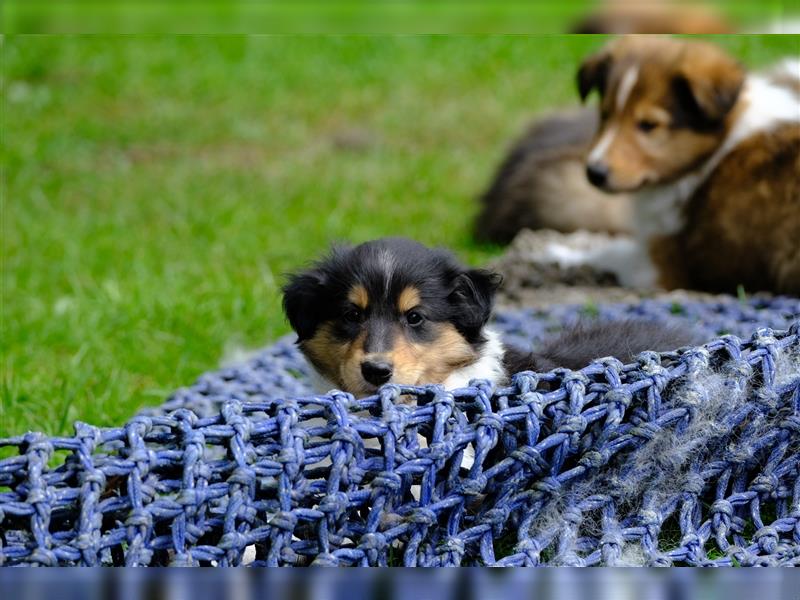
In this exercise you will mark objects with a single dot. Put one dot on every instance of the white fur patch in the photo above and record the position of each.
(488, 366)
(790, 67)
(386, 261)
(249, 555)
(624, 257)
(598, 152)
(626, 85)
(767, 105)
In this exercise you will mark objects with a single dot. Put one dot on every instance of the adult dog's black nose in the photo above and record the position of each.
(376, 372)
(597, 173)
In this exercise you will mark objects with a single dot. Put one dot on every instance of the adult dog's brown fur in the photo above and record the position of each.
(743, 224)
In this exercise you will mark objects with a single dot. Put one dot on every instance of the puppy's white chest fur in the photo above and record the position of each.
(488, 366)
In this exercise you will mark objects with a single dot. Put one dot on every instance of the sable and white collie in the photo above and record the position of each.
(712, 156)
(394, 311)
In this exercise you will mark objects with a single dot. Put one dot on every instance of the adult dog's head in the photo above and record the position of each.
(389, 310)
(665, 105)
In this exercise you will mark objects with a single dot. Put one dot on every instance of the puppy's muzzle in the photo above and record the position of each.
(376, 372)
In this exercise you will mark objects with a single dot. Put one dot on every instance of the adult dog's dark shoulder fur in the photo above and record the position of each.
(541, 184)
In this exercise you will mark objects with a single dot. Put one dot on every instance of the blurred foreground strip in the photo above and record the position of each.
(366, 584)
(392, 16)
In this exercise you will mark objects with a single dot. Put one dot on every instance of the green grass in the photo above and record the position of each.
(337, 16)
(155, 189)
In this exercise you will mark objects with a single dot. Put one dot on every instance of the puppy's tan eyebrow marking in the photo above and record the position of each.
(358, 296)
(409, 298)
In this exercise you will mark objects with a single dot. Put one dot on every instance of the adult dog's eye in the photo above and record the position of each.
(353, 315)
(646, 125)
(414, 318)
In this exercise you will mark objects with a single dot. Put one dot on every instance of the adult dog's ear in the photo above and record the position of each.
(593, 74)
(472, 296)
(304, 301)
(708, 83)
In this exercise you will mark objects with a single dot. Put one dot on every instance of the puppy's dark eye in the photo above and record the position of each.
(646, 125)
(414, 318)
(353, 315)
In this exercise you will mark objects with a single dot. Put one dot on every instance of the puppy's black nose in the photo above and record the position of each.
(597, 173)
(376, 372)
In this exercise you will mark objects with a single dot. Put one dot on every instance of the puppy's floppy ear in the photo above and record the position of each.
(473, 296)
(708, 83)
(303, 301)
(593, 74)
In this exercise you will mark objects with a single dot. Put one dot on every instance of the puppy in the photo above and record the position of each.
(711, 156)
(541, 184)
(393, 310)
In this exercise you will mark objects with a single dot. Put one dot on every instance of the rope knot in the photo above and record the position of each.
(285, 520)
(694, 484)
(594, 459)
(471, 486)
(452, 545)
(722, 508)
(232, 540)
(388, 480)
(422, 516)
(618, 398)
(573, 424)
(347, 435)
(373, 542)
(767, 539)
(765, 483)
(140, 519)
(243, 476)
(335, 503)
(490, 421)
(439, 451)
(496, 517)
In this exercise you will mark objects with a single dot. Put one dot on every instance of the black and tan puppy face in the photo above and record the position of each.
(390, 310)
(665, 105)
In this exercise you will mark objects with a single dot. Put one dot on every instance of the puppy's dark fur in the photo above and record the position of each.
(392, 310)
(390, 302)
(579, 344)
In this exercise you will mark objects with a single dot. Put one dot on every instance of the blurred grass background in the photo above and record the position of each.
(341, 16)
(156, 188)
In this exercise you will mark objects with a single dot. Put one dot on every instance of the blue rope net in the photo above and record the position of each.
(683, 458)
